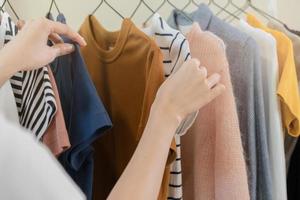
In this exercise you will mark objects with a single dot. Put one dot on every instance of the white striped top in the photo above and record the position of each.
(176, 51)
(32, 90)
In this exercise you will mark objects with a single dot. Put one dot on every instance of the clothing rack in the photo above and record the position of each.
(235, 133)
(154, 9)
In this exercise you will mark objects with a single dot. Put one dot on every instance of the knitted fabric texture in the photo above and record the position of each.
(212, 152)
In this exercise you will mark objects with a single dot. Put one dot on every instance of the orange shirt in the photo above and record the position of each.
(127, 70)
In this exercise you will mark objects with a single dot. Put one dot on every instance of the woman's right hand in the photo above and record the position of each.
(28, 50)
(188, 90)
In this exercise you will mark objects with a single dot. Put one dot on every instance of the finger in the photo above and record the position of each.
(62, 49)
(216, 91)
(203, 72)
(55, 38)
(213, 80)
(20, 24)
(62, 29)
(194, 61)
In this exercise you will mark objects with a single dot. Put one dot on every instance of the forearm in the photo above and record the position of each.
(143, 175)
(5, 72)
(7, 68)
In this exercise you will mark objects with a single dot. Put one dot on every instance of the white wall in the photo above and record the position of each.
(76, 10)
(289, 12)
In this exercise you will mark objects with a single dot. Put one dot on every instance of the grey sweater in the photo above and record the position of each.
(243, 57)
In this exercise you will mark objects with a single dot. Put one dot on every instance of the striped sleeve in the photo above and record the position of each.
(32, 91)
(175, 50)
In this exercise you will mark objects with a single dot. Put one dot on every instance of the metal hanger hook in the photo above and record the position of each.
(53, 2)
(110, 6)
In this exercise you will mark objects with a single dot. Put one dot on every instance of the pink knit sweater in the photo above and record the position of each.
(212, 153)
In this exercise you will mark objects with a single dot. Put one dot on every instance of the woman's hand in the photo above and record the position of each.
(188, 90)
(29, 49)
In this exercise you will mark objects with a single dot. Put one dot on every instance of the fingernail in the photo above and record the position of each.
(197, 61)
(70, 47)
(83, 41)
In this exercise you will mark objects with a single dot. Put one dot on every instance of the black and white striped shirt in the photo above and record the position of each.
(32, 90)
(176, 51)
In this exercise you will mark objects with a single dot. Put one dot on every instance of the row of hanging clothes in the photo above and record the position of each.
(90, 107)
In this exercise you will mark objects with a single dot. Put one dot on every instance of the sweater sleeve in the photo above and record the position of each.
(264, 181)
(230, 168)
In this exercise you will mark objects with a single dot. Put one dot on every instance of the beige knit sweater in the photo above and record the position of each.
(212, 154)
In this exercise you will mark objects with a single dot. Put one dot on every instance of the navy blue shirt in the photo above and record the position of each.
(85, 116)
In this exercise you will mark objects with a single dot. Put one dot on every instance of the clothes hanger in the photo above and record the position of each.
(267, 15)
(172, 5)
(155, 11)
(190, 2)
(11, 7)
(212, 2)
(111, 7)
(2, 6)
(239, 10)
(138, 6)
(249, 4)
(180, 10)
(53, 2)
(224, 7)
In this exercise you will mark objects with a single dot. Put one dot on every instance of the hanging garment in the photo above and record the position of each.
(212, 152)
(32, 90)
(287, 90)
(289, 141)
(8, 107)
(86, 118)
(244, 66)
(293, 180)
(56, 137)
(269, 71)
(28, 171)
(295, 41)
(127, 70)
(175, 50)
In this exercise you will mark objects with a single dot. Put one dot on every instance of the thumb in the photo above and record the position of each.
(61, 49)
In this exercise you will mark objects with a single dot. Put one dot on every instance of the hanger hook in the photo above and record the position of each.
(140, 3)
(97, 7)
(180, 10)
(224, 8)
(120, 15)
(155, 11)
(53, 2)
(135, 10)
(187, 5)
(111, 7)
(2, 6)
(11, 7)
